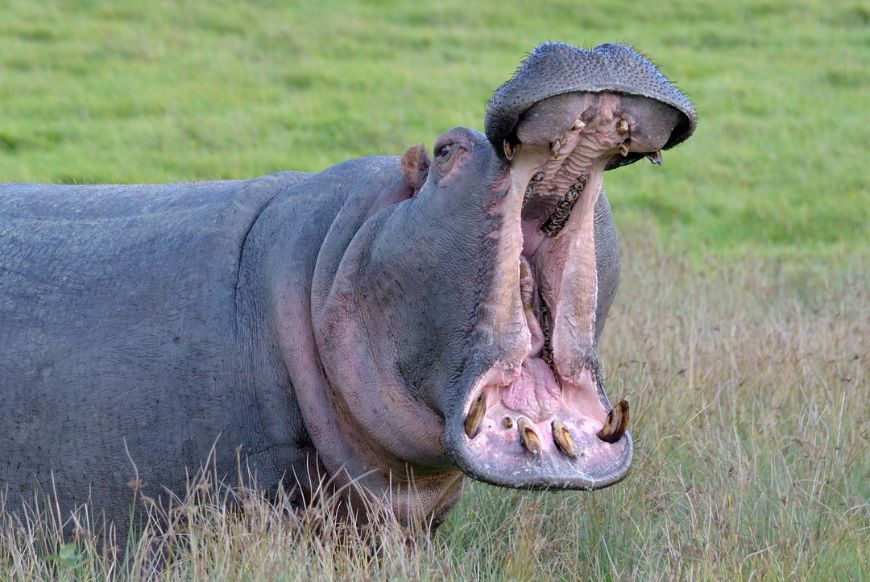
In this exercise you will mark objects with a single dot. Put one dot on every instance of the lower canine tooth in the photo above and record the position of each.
(563, 440)
(475, 416)
(529, 437)
(616, 423)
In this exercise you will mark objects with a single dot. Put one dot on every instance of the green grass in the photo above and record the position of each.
(163, 91)
(740, 331)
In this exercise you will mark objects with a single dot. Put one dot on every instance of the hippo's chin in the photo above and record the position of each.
(522, 430)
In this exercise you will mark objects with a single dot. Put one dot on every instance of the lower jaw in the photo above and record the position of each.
(497, 452)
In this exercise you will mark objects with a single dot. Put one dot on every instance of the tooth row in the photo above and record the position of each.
(613, 429)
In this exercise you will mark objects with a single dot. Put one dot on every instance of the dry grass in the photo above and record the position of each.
(749, 390)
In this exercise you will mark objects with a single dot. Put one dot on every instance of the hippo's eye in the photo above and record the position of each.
(448, 154)
(443, 153)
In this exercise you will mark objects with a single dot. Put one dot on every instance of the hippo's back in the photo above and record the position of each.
(117, 307)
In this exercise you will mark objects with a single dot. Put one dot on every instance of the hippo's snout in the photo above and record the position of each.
(559, 69)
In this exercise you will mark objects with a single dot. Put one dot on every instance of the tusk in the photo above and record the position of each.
(475, 416)
(529, 437)
(563, 440)
(656, 157)
(616, 423)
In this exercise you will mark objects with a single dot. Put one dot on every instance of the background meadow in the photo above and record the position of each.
(739, 334)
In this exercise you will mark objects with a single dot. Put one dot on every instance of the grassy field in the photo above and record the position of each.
(740, 331)
(130, 92)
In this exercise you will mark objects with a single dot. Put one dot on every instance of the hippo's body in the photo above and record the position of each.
(379, 321)
(123, 322)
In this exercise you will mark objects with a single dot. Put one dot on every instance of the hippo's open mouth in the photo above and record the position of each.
(545, 421)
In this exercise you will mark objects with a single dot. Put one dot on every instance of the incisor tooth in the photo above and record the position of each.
(555, 147)
(563, 440)
(623, 150)
(529, 437)
(475, 416)
(616, 423)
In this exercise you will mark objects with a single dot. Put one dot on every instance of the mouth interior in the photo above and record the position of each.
(547, 421)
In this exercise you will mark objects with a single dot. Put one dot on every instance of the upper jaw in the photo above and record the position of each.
(556, 69)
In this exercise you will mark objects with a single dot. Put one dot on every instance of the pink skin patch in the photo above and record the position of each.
(535, 394)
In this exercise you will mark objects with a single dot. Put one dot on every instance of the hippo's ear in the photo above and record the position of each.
(415, 166)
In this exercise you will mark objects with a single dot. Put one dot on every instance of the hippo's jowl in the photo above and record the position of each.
(398, 322)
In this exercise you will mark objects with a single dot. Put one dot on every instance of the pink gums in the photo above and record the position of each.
(535, 393)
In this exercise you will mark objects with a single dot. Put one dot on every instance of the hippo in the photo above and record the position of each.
(394, 323)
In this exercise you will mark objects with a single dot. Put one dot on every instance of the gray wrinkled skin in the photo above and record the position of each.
(124, 321)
